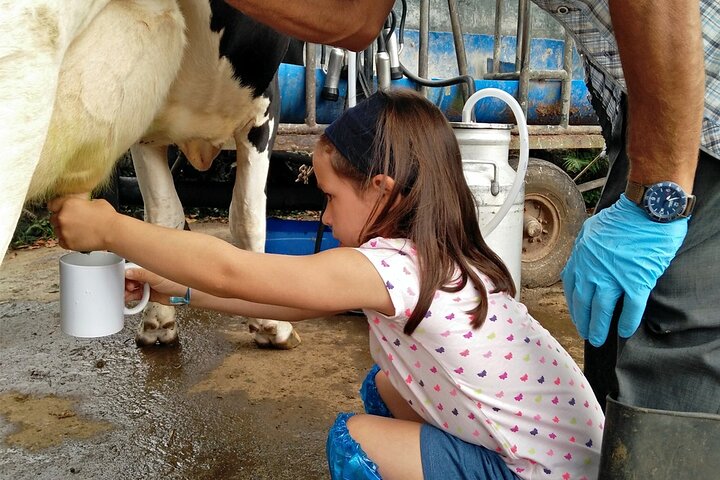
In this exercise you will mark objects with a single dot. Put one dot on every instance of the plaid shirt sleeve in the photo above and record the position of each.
(589, 23)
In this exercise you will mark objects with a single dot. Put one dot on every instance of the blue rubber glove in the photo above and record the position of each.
(619, 252)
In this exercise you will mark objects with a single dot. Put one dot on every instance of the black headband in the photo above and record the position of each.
(353, 133)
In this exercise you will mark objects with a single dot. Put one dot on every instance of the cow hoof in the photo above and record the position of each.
(161, 336)
(158, 326)
(274, 334)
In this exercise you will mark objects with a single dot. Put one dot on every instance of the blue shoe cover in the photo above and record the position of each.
(346, 459)
(372, 402)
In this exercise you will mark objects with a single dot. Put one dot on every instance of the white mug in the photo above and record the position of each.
(92, 291)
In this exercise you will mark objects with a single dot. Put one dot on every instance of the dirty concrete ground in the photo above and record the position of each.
(214, 406)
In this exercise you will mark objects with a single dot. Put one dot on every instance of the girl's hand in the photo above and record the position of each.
(160, 288)
(80, 224)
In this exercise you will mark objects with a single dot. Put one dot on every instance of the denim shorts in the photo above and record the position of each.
(445, 457)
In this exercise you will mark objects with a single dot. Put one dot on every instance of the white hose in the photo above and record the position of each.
(467, 114)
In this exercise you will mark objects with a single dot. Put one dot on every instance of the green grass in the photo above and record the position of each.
(575, 161)
(32, 229)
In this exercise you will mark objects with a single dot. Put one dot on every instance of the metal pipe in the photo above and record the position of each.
(299, 129)
(310, 111)
(524, 27)
(567, 81)
(424, 42)
(547, 75)
(498, 36)
(458, 37)
(522, 10)
(532, 75)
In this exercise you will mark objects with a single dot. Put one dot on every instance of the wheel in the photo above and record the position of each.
(554, 212)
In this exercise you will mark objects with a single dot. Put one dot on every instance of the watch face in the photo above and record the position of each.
(665, 201)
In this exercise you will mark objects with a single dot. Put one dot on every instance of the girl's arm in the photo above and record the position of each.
(236, 306)
(336, 280)
(161, 289)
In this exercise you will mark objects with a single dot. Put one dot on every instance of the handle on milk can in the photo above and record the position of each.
(467, 113)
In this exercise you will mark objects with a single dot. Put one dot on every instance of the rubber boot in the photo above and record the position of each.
(642, 443)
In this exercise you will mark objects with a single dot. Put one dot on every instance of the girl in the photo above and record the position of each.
(467, 384)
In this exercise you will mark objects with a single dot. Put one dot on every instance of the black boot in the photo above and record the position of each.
(642, 443)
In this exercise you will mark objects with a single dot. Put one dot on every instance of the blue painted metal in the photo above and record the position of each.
(545, 54)
(544, 105)
(292, 94)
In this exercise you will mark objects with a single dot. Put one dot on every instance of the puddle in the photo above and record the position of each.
(45, 421)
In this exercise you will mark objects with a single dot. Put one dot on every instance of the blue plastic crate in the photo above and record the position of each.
(296, 237)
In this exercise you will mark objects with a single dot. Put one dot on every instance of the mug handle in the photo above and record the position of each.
(145, 298)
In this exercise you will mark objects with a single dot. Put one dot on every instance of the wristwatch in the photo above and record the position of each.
(662, 201)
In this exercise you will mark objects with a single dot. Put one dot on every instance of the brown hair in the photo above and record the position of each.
(430, 204)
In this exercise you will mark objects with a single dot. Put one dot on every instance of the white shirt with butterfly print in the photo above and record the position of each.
(508, 386)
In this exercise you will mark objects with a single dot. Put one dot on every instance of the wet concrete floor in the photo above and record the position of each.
(215, 406)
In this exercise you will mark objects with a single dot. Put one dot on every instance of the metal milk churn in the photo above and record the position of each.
(498, 189)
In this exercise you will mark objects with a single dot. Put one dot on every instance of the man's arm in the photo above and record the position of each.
(621, 252)
(351, 24)
(661, 51)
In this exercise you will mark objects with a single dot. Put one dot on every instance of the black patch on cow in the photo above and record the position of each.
(259, 137)
(254, 50)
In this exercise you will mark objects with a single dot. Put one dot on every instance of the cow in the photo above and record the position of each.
(81, 81)
(226, 89)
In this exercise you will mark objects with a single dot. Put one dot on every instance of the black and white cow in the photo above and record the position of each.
(81, 81)
(226, 89)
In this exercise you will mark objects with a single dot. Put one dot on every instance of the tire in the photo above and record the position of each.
(554, 212)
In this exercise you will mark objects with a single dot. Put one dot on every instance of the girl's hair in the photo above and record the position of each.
(430, 204)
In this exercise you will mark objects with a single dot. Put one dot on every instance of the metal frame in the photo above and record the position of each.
(296, 137)
(522, 59)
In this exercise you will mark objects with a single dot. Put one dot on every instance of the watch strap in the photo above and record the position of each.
(636, 192)
(689, 206)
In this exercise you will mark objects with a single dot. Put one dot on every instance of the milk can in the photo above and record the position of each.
(498, 189)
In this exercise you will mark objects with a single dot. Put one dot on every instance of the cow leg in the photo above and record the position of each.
(162, 207)
(248, 218)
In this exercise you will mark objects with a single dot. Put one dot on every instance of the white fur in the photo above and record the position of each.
(80, 81)
(205, 105)
(205, 108)
(83, 80)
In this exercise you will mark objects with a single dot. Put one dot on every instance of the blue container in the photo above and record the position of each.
(296, 237)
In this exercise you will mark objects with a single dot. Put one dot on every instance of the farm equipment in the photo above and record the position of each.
(545, 75)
